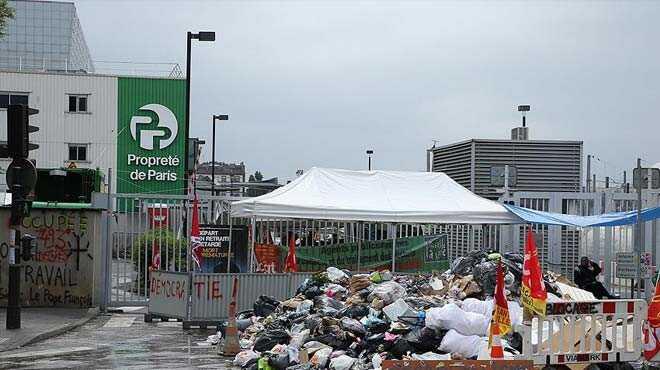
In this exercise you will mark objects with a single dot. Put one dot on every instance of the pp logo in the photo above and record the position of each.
(166, 128)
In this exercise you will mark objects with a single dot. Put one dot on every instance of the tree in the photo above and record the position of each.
(6, 12)
(258, 176)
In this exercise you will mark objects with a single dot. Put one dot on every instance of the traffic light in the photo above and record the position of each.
(18, 130)
(28, 242)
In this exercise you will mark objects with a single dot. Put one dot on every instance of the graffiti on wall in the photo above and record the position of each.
(61, 270)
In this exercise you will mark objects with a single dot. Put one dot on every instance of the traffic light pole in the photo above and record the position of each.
(14, 284)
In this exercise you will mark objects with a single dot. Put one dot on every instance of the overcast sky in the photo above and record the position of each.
(317, 83)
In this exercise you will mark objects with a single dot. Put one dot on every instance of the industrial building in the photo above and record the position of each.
(534, 165)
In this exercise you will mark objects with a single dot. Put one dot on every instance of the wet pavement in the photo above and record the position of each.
(120, 341)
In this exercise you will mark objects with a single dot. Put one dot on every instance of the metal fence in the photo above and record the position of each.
(144, 226)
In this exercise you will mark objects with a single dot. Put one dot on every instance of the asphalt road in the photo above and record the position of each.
(120, 341)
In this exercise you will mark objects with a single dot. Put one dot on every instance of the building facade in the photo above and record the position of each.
(44, 36)
(130, 126)
(534, 165)
(226, 174)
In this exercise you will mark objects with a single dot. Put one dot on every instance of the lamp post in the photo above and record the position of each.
(216, 117)
(369, 153)
(201, 36)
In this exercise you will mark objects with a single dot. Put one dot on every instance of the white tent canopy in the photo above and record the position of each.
(375, 196)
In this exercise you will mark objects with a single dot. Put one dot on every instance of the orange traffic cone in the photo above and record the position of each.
(231, 346)
(496, 350)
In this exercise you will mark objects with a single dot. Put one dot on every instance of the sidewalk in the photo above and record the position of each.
(38, 324)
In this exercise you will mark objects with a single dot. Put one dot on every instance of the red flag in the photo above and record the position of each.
(195, 242)
(291, 265)
(654, 308)
(532, 293)
(500, 306)
(650, 344)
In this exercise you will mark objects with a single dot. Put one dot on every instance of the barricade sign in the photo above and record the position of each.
(458, 364)
(625, 265)
(586, 332)
(168, 294)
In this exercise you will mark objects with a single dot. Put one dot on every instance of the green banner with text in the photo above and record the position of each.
(419, 253)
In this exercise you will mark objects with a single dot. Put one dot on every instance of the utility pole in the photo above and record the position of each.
(588, 184)
(638, 234)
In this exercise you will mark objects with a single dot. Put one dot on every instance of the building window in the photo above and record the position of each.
(77, 103)
(12, 98)
(77, 152)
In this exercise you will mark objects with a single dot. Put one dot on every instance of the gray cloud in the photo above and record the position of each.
(316, 83)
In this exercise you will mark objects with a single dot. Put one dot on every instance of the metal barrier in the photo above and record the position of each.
(211, 293)
(586, 332)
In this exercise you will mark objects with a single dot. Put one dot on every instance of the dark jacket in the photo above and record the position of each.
(584, 276)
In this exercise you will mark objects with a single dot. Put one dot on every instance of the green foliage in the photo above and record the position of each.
(6, 12)
(172, 252)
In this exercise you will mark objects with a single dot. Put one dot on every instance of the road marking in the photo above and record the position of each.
(169, 324)
(46, 353)
(120, 322)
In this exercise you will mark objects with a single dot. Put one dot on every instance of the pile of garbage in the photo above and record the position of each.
(342, 321)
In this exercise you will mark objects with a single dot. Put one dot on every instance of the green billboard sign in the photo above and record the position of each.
(418, 253)
(151, 135)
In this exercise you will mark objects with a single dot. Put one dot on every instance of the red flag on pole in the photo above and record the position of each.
(654, 308)
(195, 243)
(501, 307)
(533, 294)
(291, 265)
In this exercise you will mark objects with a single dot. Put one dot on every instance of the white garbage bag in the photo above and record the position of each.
(430, 356)
(398, 308)
(376, 361)
(388, 292)
(486, 308)
(244, 357)
(342, 362)
(336, 275)
(464, 345)
(451, 316)
(298, 339)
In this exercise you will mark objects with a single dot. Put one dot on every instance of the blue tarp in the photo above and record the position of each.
(607, 219)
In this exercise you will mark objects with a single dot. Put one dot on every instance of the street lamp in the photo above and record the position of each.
(369, 153)
(201, 36)
(216, 117)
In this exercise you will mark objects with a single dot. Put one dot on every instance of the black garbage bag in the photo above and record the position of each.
(244, 314)
(377, 327)
(312, 291)
(353, 326)
(306, 284)
(515, 341)
(253, 365)
(312, 322)
(463, 265)
(337, 342)
(279, 361)
(269, 339)
(377, 343)
(265, 305)
(322, 301)
(296, 316)
(485, 274)
(401, 347)
(424, 339)
(357, 311)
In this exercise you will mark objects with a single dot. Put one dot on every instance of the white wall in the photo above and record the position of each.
(57, 127)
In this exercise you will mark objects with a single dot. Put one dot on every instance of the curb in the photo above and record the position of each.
(91, 313)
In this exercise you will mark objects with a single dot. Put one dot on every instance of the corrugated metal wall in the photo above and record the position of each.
(57, 127)
(542, 165)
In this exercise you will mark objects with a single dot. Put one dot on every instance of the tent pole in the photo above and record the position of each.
(393, 226)
(359, 243)
(230, 239)
(253, 226)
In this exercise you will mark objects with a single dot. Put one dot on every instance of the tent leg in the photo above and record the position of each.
(359, 244)
(253, 226)
(393, 247)
(230, 239)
